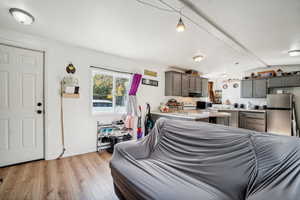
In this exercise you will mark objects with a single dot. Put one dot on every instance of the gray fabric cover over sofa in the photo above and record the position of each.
(196, 160)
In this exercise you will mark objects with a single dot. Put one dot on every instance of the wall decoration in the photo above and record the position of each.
(149, 82)
(225, 86)
(70, 69)
(150, 73)
(231, 80)
(235, 85)
(70, 84)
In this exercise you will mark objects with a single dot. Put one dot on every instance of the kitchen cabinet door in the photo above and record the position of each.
(172, 83)
(292, 81)
(176, 84)
(246, 89)
(204, 87)
(234, 117)
(253, 121)
(185, 85)
(192, 83)
(276, 82)
(260, 88)
(198, 84)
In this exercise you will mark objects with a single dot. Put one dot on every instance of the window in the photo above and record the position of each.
(110, 91)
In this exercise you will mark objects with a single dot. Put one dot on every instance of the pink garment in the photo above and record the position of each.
(136, 79)
(129, 121)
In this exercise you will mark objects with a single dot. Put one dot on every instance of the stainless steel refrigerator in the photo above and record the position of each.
(280, 114)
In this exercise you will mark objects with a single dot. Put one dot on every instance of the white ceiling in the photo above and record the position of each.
(249, 32)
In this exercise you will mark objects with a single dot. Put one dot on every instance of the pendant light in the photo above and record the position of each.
(180, 26)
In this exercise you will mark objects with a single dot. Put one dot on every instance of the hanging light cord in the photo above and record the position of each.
(154, 6)
(179, 11)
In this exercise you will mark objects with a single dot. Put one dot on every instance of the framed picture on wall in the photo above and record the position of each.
(149, 82)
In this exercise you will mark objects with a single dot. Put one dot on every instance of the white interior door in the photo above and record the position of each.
(21, 105)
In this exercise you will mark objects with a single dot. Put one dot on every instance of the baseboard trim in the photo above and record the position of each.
(52, 156)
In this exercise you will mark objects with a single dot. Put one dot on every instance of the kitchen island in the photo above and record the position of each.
(195, 115)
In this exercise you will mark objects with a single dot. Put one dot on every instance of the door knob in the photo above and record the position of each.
(39, 112)
(39, 104)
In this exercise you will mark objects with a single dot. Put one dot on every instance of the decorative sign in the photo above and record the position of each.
(150, 73)
(149, 82)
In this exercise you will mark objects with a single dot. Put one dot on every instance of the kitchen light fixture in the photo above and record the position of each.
(21, 16)
(294, 52)
(198, 58)
(180, 26)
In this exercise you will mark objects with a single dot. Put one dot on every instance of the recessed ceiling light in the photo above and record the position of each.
(180, 26)
(21, 16)
(198, 58)
(294, 52)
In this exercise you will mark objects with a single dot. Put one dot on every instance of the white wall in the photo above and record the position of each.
(80, 124)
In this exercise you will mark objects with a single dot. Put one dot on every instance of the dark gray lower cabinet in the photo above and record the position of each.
(253, 121)
(234, 117)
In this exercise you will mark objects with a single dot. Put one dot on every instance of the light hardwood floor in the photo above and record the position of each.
(85, 177)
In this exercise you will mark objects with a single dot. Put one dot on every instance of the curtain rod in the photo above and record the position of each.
(112, 70)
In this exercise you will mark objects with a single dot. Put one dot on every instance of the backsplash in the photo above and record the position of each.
(186, 100)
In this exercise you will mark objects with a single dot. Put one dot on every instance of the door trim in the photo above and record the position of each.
(44, 97)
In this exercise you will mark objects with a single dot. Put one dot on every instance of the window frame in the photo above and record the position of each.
(115, 75)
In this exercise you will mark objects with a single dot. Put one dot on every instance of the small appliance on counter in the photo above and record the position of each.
(203, 105)
(256, 107)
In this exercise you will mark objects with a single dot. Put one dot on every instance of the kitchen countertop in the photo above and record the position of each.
(193, 114)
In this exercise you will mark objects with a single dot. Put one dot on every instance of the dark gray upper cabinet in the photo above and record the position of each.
(260, 88)
(246, 89)
(254, 88)
(172, 83)
(180, 84)
(276, 82)
(198, 85)
(204, 87)
(292, 81)
(192, 83)
(284, 81)
(185, 85)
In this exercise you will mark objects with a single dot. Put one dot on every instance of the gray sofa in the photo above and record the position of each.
(196, 160)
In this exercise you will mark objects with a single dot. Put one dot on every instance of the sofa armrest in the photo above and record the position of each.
(136, 150)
